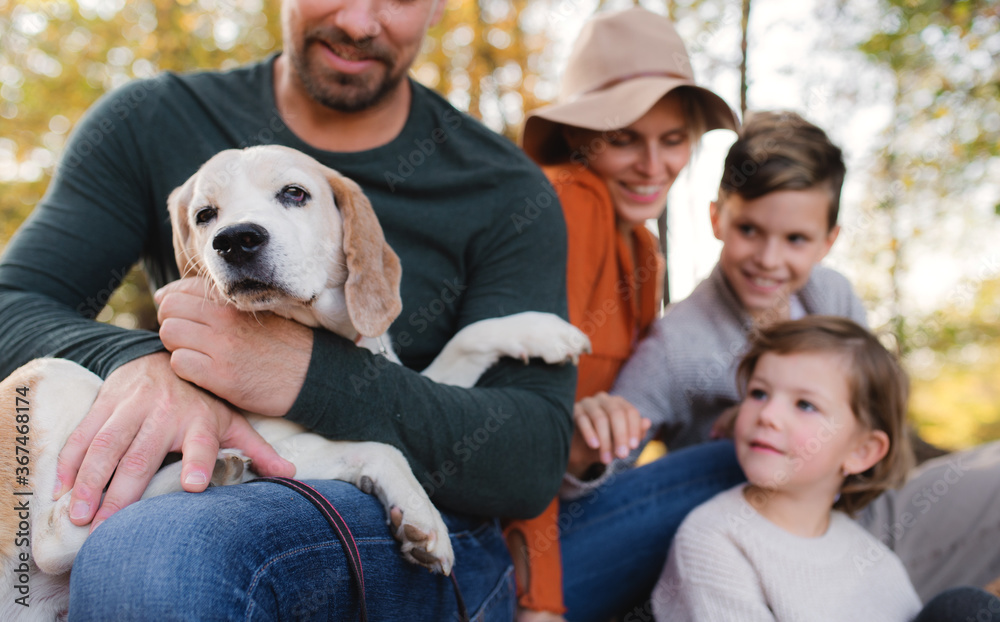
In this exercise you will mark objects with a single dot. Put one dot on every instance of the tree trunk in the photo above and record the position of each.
(744, 24)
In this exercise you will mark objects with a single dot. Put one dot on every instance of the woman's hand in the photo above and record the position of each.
(606, 427)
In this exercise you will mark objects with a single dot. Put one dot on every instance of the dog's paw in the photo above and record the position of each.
(524, 336)
(546, 336)
(424, 539)
(230, 467)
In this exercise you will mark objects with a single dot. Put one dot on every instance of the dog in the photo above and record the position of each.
(272, 230)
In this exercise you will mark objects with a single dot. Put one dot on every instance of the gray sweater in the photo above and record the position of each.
(729, 563)
(683, 374)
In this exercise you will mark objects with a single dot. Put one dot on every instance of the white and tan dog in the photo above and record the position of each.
(273, 230)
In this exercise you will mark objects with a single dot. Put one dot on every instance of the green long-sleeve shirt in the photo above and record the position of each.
(475, 224)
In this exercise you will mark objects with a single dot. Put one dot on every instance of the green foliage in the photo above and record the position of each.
(955, 363)
(57, 58)
(941, 150)
(480, 58)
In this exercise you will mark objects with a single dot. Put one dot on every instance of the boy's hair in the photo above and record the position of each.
(782, 151)
(878, 392)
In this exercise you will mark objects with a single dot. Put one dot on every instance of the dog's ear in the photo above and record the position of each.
(373, 270)
(178, 204)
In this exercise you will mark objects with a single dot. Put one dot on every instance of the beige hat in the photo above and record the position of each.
(621, 65)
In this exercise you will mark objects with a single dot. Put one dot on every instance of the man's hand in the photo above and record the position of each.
(607, 426)
(257, 362)
(142, 412)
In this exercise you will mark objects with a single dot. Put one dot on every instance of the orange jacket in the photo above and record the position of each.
(613, 300)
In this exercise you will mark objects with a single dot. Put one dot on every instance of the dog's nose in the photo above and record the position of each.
(238, 244)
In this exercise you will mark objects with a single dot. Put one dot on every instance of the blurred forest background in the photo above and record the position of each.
(910, 88)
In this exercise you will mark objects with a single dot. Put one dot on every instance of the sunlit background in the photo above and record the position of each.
(909, 88)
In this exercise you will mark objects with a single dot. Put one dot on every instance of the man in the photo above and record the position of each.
(457, 203)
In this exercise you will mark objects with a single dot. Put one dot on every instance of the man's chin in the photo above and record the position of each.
(349, 93)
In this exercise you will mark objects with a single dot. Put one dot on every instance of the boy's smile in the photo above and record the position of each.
(770, 245)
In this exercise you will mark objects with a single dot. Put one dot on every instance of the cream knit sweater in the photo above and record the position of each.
(729, 563)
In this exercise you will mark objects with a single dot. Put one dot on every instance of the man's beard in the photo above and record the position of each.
(345, 92)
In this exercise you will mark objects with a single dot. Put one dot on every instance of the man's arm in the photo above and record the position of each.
(61, 267)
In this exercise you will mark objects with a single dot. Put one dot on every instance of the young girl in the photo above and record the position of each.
(820, 433)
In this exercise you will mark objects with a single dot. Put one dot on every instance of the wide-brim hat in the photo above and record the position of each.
(621, 64)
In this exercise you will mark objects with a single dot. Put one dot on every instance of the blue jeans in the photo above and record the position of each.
(961, 604)
(262, 552)
(615, 540)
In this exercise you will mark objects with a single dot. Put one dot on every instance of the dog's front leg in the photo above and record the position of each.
(379, 470)
(530, 334)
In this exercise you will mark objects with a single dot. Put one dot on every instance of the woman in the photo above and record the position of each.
(625, 124)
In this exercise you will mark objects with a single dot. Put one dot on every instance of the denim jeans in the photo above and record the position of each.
(262, 552)
(615, 539)
(961, 604)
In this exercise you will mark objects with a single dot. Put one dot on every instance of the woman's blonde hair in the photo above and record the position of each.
(878, 387)
(692, 103)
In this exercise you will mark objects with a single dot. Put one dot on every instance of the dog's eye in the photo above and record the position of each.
(205, 215)
(293, 195)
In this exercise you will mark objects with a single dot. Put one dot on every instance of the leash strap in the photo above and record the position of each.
(339, 526)
(463, 613)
